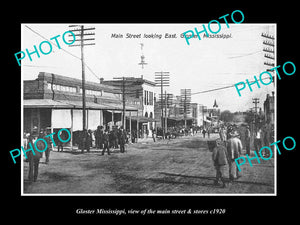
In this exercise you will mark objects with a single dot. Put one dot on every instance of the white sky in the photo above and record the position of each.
(204, 64)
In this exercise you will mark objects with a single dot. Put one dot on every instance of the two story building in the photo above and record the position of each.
(54, 101)
(140, 92)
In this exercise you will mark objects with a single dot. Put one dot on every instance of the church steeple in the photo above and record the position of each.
(215, 104)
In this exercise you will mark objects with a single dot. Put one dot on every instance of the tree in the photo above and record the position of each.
(249, 117)
(226, 116)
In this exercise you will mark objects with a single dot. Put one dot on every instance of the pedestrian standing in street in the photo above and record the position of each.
(42, 135)
(153, 135)
(105, 142)
(34, 159)
(60, 144)
(85, 141)
(203, 132)
(234, 150)
(247, 138)
(222, 134)
(219, 157)
(90, 139)
(97, 137)
(122, 139)
(257, 140)
(101, 137)
(208, 132)
(133, 136)
(49, 144)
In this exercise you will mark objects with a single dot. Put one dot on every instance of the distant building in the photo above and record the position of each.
(269, 109)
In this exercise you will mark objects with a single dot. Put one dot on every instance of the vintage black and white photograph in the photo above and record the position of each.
(133, 109)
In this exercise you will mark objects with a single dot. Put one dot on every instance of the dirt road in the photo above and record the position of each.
(180, 166)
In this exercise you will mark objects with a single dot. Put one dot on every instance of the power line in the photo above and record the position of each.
(239, 56)
(221, 88)
(37, 33)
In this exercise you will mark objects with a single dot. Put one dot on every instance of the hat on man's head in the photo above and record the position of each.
(234, 133)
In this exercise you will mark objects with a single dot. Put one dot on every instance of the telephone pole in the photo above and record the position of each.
(162, 79)
(269, 46)
(165, 101)
(79, 31)
(185, 103)
(255, 101)
(122, 86)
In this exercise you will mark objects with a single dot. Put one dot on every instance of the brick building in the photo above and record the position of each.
(55, 101)
(269, 109)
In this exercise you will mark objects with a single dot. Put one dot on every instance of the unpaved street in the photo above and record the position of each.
(179, 166)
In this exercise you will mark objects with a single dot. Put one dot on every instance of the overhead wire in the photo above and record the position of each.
(221, 88)
(37, 33)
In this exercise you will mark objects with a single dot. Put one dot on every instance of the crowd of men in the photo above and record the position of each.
(229, 147)
(225, 150)
(104, 139)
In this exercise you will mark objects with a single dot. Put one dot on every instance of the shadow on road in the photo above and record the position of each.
(213, 178)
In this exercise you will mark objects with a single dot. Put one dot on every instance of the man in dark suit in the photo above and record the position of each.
(122, 139)
(34, 158)
(219, 158)
(85, 141)
(105, 142)
(49, 143)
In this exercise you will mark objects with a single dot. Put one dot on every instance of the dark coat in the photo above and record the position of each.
(36, 154)
(219, 156)
(122, 137)
(106, 138)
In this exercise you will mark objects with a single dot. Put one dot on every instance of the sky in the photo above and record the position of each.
(205, 64)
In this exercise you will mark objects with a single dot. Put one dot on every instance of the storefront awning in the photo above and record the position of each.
(67, 104)
(180, 118)
(143, 119)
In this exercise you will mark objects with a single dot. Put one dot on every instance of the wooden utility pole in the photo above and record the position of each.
(185, 103)
(162, 79)
(123, 91)
(269, 43)
(80, 32)
(255, 101)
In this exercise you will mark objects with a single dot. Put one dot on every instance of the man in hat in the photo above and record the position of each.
(234, 150)
(219, 157)
(49, 144)
(247, 137)
(122, 139)
(85, 141)
(99, 137)
(34, 159)
(105, 142)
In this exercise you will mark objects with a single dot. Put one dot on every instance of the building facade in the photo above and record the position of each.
(269, 109)
(55, 102)
(141, 92)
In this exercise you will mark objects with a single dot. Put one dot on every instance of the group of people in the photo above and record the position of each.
(229, 147)
(225, 152)
(34, 158)
(104, 139)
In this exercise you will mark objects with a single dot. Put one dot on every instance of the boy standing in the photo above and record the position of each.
(219, 157)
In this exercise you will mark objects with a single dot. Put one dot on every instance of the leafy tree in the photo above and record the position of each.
(226, 116)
